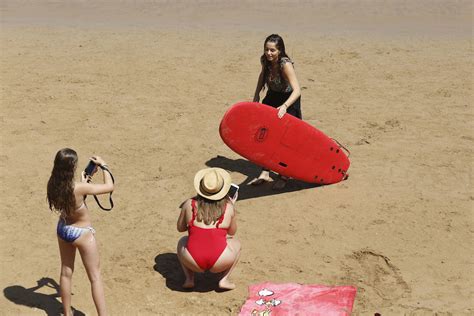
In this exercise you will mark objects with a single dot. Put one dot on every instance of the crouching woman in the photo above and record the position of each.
(210, 220)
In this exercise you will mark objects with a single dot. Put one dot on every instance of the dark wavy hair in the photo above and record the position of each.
(60, 192)
(280, 45)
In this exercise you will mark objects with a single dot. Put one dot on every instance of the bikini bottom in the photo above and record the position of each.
(70, 233)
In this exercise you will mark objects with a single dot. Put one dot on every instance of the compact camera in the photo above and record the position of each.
(91, 167)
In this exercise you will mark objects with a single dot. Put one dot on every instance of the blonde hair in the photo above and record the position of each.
(210, 211)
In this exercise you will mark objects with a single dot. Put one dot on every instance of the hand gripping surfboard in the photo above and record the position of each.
(288, 146)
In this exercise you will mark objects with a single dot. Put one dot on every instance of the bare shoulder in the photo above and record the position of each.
(286, 64)
(80, 187)
(186, 205)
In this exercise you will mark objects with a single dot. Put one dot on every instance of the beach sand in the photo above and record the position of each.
(145, 84)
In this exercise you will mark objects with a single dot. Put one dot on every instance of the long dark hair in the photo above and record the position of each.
(280, 45)
(60, 192)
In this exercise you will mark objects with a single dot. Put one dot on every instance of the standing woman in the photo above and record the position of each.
(210, 221)
(283, 90)
(74, 229)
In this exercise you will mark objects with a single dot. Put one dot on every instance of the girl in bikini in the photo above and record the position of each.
(74, 228)
(283, 90)
(210, 221)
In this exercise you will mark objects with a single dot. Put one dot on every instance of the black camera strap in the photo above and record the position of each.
(110, 196)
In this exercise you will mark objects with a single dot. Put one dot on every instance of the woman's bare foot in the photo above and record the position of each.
(262, 178)
(188, 284)
(225, 284)
(281, 183)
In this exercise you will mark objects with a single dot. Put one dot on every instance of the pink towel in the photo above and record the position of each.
(298, 299)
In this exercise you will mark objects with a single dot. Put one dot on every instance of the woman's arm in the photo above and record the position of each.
(86, 188)
(233, 224)
(260, 83)
(182, 225)
(290, 76)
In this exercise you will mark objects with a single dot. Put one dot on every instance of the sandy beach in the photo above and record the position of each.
(145, 85)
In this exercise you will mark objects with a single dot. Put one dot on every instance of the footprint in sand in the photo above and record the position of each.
(371, 131)
(376, 276)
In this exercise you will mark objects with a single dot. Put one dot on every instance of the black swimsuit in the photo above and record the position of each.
(279, 90)
(275, 99)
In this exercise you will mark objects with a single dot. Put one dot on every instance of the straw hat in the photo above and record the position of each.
(212, 183)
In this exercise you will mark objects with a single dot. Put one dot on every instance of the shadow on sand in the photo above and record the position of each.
(29, 297)
(252, 171)
(167, 264)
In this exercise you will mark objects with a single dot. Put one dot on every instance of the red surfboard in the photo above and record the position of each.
(288, 146)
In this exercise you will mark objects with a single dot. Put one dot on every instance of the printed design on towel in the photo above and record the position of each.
(267, 303)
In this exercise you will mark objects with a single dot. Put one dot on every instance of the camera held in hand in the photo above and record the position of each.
(91, 168)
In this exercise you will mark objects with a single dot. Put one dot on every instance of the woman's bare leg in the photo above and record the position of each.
(89, 251)
(227, 262)
(187, 263)
(68, 255)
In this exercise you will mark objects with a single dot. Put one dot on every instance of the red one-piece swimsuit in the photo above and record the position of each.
(206, 244)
